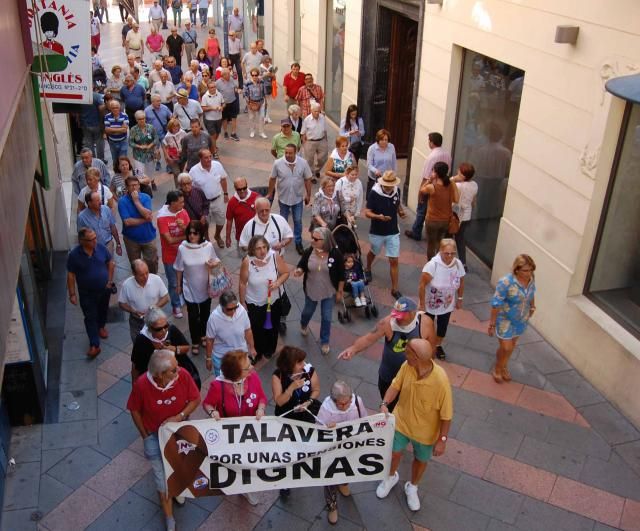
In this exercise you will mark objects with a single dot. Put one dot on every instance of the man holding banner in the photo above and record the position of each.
(423, 416)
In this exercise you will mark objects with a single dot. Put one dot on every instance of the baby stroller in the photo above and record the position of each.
(347, 241)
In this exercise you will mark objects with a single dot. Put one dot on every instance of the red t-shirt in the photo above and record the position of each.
(252, 397)
(155, 42)
(156, 406)
(240, 212)
(291, 85)
(167, 224)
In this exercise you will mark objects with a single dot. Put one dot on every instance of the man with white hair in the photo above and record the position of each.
(164, 89)
(154, 75)
(212, 105)
(272, 226)
(186, 109)
(240, 208)
(116, 127)
(133, 42)
(190, 39)
(228, 87)
(234, 43)
(236, 24)
(133, 96)
(156, 15)
(314, 138)
(194, 68)
(195, 202)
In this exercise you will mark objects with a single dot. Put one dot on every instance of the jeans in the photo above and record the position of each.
(92, 136)
(198, 314)
(172, 280)
(357, 287)
(203, 15)
(177, 13)
(296, 214)
(118, 149)
(326, 315)
(94, 305)
(418, 224)
(153, 453)
(192, 16)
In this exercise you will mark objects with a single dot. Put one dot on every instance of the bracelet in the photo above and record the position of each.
(383, 403)
(183, 415)
(460, 298)
(225, 193)
(208, 359)
(211, 413)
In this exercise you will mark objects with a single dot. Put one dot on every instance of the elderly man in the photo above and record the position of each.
(165, 393)
(210, 177)
(251, 59)
(134, 42)
(292, 83)
(285, 137)
(228, 87)
(131, 64)
(138, 293)
(156, 15)
(133, 96)
(240, 209)
(190, 38)
(99, 218)
(128, 26)
(90, 268)
(272, 226)
(140, 79)
(116, 128)
(87, 160)
(195, 202)
(236, 24)
(138, 231)
(158, 115)
(154, 75)
(194, 142)
(175, 44)
(314, 137)
(423, 416)
(186, 109)
(292, 178)
(309, 93)
(194, 68)
(234, 43)
(212, 105)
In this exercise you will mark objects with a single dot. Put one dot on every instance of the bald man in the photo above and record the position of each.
(272, 226)
(423, 416)
(240, 209)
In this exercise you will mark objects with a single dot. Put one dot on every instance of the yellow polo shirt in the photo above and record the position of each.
(422, 403)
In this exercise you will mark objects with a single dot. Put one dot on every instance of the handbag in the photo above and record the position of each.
(454, 223)
(185, 362)
(285, 303)
(254, 105)
(219, 281)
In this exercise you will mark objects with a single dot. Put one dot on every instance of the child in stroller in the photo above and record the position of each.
(354, 278)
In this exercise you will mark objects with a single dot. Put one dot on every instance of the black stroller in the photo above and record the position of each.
(347, 241)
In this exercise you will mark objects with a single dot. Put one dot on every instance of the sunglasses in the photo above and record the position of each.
(232, 309)
(159, 328)
(317, 239)
(241, 189)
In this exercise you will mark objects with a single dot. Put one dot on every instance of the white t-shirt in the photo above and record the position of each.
(212, 100)
(228, 332)
(350, 195)
(140, 298)
(269, 230)
(258, 280)
(208, 180)
(105, 194)
(192, 261)
(468, 191)
(440, 293)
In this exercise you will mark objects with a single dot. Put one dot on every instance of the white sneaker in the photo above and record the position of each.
(357, 302)
(386, 485)
(252, 134)
(267, 120)
(251, 498)
(177, 313)
(363, 300)
(262, 135)
(412, 496)
(304, 330)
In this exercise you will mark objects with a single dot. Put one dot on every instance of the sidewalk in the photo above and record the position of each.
(545, 451)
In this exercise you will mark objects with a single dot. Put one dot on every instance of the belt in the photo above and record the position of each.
(315, 139)
(215, 198)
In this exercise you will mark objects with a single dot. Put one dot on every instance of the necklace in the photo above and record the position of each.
(238, 391)
(321, 257)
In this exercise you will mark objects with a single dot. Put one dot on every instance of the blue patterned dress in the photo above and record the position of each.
(513, 303)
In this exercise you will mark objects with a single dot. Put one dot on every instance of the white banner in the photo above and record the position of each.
(237, 455)
(60, 36)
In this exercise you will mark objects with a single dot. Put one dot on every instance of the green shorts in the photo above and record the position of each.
(422, 452)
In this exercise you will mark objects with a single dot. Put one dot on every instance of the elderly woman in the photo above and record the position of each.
(92, 177)
(144, 143)
(254, 96)
(156, 334)
(512, 306)
(381, 157)
(326, 205)
(350, 194)
(339, 160)
(195, 259)
(167, 393)
(115, 82)
(468, 192)
(442, 196)
(353, 128)
(263, 272)
(203, 86)
(295, 118)
(172, 147)
(228, 328)
(341, 405)
(442, 289)
(323, 269)
(122, 169)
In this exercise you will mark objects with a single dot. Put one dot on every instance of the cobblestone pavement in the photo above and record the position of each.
(544, 452)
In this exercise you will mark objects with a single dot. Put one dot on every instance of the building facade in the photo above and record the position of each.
(557, 155)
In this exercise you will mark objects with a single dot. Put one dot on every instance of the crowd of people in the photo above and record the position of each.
(179, 117)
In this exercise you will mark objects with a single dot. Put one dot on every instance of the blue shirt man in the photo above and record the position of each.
(158, 115)
(133, 96)
(99, 219)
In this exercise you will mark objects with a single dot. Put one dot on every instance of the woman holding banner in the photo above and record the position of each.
(237, 392)
(262, 275)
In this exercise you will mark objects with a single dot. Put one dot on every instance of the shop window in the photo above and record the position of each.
(614, 276)
(334, 62)
(487, 117)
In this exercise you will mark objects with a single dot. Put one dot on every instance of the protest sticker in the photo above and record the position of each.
(238, 455)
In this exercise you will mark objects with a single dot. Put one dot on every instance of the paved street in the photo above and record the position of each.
(544, 452)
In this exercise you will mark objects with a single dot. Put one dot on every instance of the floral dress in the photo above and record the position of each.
(147, 135)
(514, 304)
(328, 208)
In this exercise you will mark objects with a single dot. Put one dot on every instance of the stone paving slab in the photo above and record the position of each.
(609, 423)
(117, 435)
(69, 434)
(613, 476)
(52, 492)
(21, 491)
(78, 467)
(437, 513)
(538, 516)
(575, 388)
(577, 438)
(130, 511)
(85, 400)
(492, 438)
(26, 443)
(551, 458)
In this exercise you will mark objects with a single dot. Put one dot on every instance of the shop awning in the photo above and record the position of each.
(625, 87)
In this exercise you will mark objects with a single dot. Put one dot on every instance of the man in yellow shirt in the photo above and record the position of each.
(423, 416)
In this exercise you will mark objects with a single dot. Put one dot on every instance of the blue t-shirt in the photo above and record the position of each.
(92, 273)
(133, 99)
(143, 233)
(90, 114)
(158, 119)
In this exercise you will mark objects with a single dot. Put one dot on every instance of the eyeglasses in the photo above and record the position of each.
(317, 239)
(254, 75)
(232, 309)
(159, 328)
(241, 189)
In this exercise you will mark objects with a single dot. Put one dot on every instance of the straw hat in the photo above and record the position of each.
(389, 178)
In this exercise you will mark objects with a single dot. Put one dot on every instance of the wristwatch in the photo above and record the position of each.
(444, 438)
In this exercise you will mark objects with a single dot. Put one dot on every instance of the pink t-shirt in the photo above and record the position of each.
(253, 396)
(155, 42)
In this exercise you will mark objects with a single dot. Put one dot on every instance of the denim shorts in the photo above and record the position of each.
(391, 244)
(154, 455)
(422, 452)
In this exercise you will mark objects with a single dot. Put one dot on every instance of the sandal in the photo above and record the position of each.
(195, 349)
(506, 375)
(497, 376)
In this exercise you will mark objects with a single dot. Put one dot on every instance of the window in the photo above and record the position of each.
(334, 62)
(614, 277)
(487, 116)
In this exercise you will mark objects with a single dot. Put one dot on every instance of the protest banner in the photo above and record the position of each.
(238, 455)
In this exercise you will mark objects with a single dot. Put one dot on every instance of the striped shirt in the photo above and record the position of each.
(438, 154)
(111, 121)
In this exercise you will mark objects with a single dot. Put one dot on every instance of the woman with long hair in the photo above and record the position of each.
(352, 127)
(442, 197)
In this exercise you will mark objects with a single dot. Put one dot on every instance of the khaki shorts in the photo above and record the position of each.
(217, 211)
